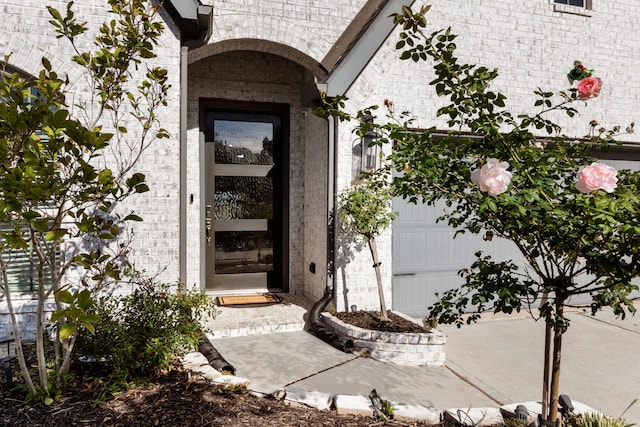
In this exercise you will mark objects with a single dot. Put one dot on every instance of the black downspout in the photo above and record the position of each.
(315, 325)
(203, 26)
(214, 357)
(325, 334)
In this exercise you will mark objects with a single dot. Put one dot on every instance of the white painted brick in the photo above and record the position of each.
(532, 46)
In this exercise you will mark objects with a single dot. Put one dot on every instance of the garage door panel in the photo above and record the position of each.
(419, 292)
(426, 257)
(433, 250)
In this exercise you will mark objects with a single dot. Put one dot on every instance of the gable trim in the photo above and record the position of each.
(359, 43)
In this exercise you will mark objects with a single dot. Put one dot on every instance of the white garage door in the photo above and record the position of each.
(426, 257)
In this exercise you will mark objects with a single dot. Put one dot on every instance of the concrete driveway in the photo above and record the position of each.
(600, 364)
(493, 362)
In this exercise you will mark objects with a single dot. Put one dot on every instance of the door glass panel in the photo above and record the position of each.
(243, 252)
(243, 143)
(243, 197)
(243, 167)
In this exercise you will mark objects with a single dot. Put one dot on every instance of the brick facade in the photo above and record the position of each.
(26, 34)
(269, 51)
(533, 47)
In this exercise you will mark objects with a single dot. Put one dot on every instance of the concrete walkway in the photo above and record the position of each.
(600, 360)
(491, 363)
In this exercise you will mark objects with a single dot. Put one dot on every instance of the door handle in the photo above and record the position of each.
(207, 220)
(208, 229)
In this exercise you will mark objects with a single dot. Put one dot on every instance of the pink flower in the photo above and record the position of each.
(493, 177)
(597, 176)
(589, 87)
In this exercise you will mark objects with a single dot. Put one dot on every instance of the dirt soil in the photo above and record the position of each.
(174, 400)
(178, 399)
(371, 320)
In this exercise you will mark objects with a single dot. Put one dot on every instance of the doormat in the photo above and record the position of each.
(249, 299)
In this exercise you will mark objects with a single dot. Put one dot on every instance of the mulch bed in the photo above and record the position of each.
(371, 320)
(175, 399)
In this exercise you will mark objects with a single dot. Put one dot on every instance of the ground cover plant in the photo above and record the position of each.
(142, 333)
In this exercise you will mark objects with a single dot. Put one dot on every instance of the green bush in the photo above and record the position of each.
(596, 420)
(141, 333)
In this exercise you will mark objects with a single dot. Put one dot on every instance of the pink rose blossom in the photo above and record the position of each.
(597, 176)
(589, 87)
(493, 177)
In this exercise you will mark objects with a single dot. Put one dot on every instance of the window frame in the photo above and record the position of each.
(585, 10)
(21, 270)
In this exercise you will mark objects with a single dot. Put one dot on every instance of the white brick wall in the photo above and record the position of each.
(315, 205)
(26, 33)
(532, 45)
(29, 37)
(309, 26)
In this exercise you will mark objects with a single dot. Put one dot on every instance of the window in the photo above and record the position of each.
(575, 7)
(579, 3)
(22, 264)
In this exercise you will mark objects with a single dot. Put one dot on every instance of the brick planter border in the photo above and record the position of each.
(415, 349)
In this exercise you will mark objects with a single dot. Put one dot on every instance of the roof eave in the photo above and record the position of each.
(359, 43)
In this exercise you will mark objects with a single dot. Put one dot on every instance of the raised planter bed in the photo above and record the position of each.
(415, 349)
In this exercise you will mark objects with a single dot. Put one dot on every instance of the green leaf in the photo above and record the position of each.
(57, 315)
(46, 63)
(132, 217)
(105, 176)
(89, 327)
(67, 330)
(64, 296)
(55, 234)
(84, 299)
(30, 215)
(142, 188)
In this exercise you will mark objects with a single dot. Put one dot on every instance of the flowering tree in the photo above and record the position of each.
(63, 176)
(575, 220)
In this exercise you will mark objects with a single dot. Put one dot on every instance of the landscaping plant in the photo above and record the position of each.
(595, 420)
(575, 219)
(365, 211)
(67, 164)
(141, 333)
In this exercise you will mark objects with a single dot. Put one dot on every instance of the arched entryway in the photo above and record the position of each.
(256, 154)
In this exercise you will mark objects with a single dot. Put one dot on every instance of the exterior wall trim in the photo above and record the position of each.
(263, 46)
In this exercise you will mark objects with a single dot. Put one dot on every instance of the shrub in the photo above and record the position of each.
(141, 333)
(596, 420)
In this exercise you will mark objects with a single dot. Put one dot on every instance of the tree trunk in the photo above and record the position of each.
(376, 266)
(558, 330)
(24, 369)
(545, 379)
(40, 353)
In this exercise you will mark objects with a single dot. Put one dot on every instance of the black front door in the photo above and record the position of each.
(245, 198)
